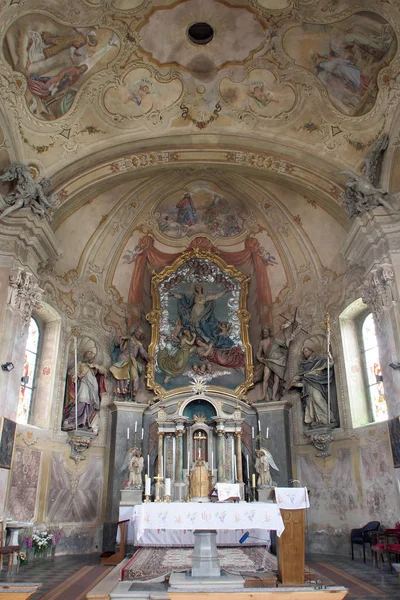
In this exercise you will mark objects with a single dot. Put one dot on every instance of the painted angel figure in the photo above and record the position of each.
(264, 462)
(26, 192)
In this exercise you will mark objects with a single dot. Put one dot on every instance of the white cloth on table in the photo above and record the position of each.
(180, 515)
(227, 490)
(290, 498)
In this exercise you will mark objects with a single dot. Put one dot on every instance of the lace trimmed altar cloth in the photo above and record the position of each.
(185, 515)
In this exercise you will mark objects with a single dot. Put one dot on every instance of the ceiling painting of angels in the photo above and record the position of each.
(56, 60)
(199, 327)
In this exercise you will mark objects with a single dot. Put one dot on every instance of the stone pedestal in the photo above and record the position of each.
(205, 561)
(131, 497)
(124, 415)
(265, 495)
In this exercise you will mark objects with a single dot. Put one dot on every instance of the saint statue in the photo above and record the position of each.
(263, 463)
(90, 387)
(312, 379)
(272, 355)
(134, 463)
(126, 369)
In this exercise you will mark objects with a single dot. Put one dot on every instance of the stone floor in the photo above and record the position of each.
(52, 572)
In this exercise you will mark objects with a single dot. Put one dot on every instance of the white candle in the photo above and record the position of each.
(162, 466)
(267, 432)
(148, 465)
(259, 426)
(127, 434)
(142, 432)
(252, 433)
(147, 489)
(248, 471)
(135, 426)
(168, 486)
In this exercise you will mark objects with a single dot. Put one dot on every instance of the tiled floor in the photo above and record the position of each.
(53, 571)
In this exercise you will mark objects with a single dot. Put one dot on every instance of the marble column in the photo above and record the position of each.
(179, 455)
(160, 453)
(239, 471)
(221, 455)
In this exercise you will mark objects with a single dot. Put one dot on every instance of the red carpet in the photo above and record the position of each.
(77, 586)
(355, 585)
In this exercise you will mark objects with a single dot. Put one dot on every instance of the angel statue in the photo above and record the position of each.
(362, 193)
(134, 463)
(26, 192)
(263, 463)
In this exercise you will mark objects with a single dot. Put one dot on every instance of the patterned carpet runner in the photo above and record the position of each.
(77, 586)
(153, 564)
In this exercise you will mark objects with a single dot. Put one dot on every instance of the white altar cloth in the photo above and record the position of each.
(292, 497)
(185, 537)
(184, 515)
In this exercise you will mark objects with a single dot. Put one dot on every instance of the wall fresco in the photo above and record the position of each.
(56, 60)
(346, 57)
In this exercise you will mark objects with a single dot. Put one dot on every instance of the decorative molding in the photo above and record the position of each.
(24, 295)
(378, 289)
(79, 442)
(321, 439)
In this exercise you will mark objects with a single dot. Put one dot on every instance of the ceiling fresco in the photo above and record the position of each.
(88, 77)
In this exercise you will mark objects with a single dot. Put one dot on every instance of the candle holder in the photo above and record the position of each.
(147, 498)
(167, 499)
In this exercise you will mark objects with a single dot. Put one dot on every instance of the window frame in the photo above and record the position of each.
(33, 388)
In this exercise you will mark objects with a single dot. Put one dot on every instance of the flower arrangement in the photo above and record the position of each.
(23, 559)
(42, 541)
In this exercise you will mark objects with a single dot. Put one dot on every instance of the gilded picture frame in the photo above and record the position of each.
(199, 328)
(8, 431)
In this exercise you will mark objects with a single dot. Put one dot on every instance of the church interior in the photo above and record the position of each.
(200, 267)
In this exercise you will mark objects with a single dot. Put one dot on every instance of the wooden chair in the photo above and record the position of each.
(114, 558)
(8, 551)
(362, 536)
(378, 549)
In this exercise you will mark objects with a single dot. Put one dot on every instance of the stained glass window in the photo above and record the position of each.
(28, 373)
(374, 380)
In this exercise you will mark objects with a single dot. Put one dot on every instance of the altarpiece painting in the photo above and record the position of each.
(199, 328)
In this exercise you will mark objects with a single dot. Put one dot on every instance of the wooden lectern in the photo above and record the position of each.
(291, 547)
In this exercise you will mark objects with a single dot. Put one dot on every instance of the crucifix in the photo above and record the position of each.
(198, 439)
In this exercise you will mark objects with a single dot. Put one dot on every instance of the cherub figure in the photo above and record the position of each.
(26, 192)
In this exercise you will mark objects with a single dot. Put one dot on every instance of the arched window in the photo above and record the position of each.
(28, 373)
(372, 367)
(363, 372)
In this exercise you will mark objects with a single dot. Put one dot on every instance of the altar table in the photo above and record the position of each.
(210, 516)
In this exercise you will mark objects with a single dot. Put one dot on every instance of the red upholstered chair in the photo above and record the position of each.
(392, 544)
(378, 549)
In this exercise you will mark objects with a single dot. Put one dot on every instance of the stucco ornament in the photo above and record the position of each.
(378, 289)
(24, 295)
(26, 192)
